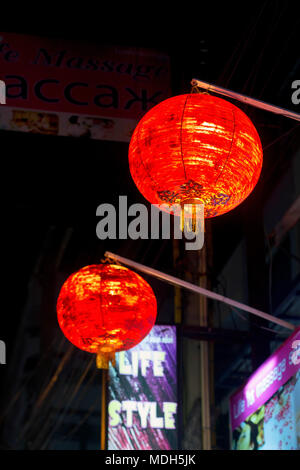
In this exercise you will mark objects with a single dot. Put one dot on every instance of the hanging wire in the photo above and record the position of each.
(244, 318)
(30, 376)
(82, 421)
(245, 45)
(55, 405)
(63, 414)
(51, 369)
(45, 392)
(41, 423)
(280, 137)
(273, 24)
(278, 60)
(84, 391)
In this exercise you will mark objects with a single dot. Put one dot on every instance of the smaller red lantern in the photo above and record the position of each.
(106, 308)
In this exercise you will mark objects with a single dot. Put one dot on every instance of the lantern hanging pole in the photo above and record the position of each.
(103, 408)
(198, 290)
(245, 99)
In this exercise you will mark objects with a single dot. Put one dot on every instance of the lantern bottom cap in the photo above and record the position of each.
(191, 200)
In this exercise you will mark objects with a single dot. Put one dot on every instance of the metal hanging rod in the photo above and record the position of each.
(246, 99)
(198, 290)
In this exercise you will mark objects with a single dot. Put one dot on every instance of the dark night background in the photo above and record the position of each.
(53, 184)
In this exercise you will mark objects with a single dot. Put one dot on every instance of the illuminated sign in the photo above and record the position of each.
(265, 412)
(76, 88)
(142, 406)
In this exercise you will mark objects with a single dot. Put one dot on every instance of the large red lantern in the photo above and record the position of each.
(106, 308)
(196, 148)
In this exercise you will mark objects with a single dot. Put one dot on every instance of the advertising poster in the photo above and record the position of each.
(265, 413)
(78, 88)
(142, 404)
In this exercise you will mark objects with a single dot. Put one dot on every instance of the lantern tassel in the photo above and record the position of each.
(103, 360)
(192, 216)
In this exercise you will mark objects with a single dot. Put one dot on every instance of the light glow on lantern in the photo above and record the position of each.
(106, 308)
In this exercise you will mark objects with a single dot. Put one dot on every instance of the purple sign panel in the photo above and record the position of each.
(271, 390)
(142, 407)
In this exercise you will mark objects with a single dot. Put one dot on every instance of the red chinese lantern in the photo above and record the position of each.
(196, 148)
(106, 308)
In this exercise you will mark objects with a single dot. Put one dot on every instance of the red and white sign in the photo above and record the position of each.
(65, 87)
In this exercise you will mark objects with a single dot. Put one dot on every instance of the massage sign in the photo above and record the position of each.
(78, 89)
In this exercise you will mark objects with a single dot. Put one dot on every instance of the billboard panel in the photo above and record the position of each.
(78, 88)
(142, 404)
(265, 412)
